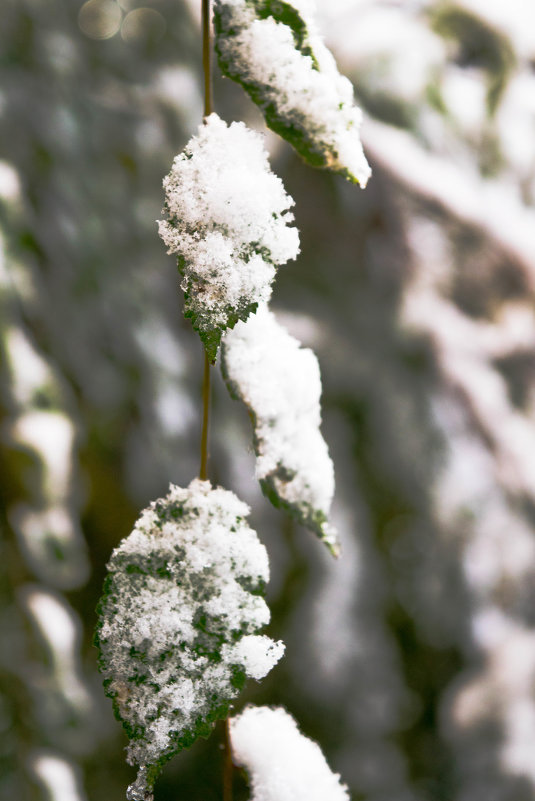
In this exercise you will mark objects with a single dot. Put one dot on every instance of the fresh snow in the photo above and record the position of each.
(292, 76)
(283, 764)
(227, 221)
(279, 382)
(178, 620)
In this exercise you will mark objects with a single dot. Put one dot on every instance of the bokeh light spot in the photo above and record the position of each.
(100, 19)
(143, 26)
(128, 5)
(9, 182)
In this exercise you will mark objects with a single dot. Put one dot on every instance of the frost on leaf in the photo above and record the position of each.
(273, 50)
(228, 223)
(178, 620)
(283, 764)
(280, 383)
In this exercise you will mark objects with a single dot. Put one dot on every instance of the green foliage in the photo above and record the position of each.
(315, 129)
(478, 45)
(304, 513)
(290, 16)
(279, 383)
(292, 128)
(227, 220)
(182, 593)
(209, 333)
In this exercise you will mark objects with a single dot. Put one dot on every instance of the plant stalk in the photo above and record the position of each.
(208, 108)
(203, 472)
(207, 58)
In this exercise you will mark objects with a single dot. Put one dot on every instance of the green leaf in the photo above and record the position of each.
(178, 623)
(267, 743)
(202, 321)
(279, 382)
(227, 221)
(272, 50)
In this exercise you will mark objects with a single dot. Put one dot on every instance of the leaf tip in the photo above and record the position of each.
(334, 549)
(141, 789)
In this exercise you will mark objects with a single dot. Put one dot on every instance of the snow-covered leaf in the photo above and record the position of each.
(178, 622)
(228, 223)
(283, 764)
(280, 383)
(273, 50)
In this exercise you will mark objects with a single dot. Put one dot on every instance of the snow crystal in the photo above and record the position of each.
(275, 52)
(279, 382)
(178, 621)
(228, 222)
(282, 763)
(258, 654)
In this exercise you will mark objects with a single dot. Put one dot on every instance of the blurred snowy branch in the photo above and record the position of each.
(412, 662)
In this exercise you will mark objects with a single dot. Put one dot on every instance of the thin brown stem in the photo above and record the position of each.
(207, 58)
(208, 108)
(203, 472)
(228, 766)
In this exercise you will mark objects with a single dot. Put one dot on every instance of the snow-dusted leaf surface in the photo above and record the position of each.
(178, 620)
(273, 50)
(283, 764)
(279, 382)
(227, 221)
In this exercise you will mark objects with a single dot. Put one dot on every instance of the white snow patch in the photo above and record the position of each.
(279, 381)
(29, 371)
(60, 629)
(257, 653)
(306, 90)
(57, 775)
(9, 182)
(180, 617)
(227, 221)
(282, 763)
(51, 434)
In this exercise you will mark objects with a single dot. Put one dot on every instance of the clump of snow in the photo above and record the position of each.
(178, 622)
(282, 763)
(274, 51)
(280, 383)
(255, 652)
(228, 222)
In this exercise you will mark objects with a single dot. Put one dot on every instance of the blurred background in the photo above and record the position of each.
(411, 660)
